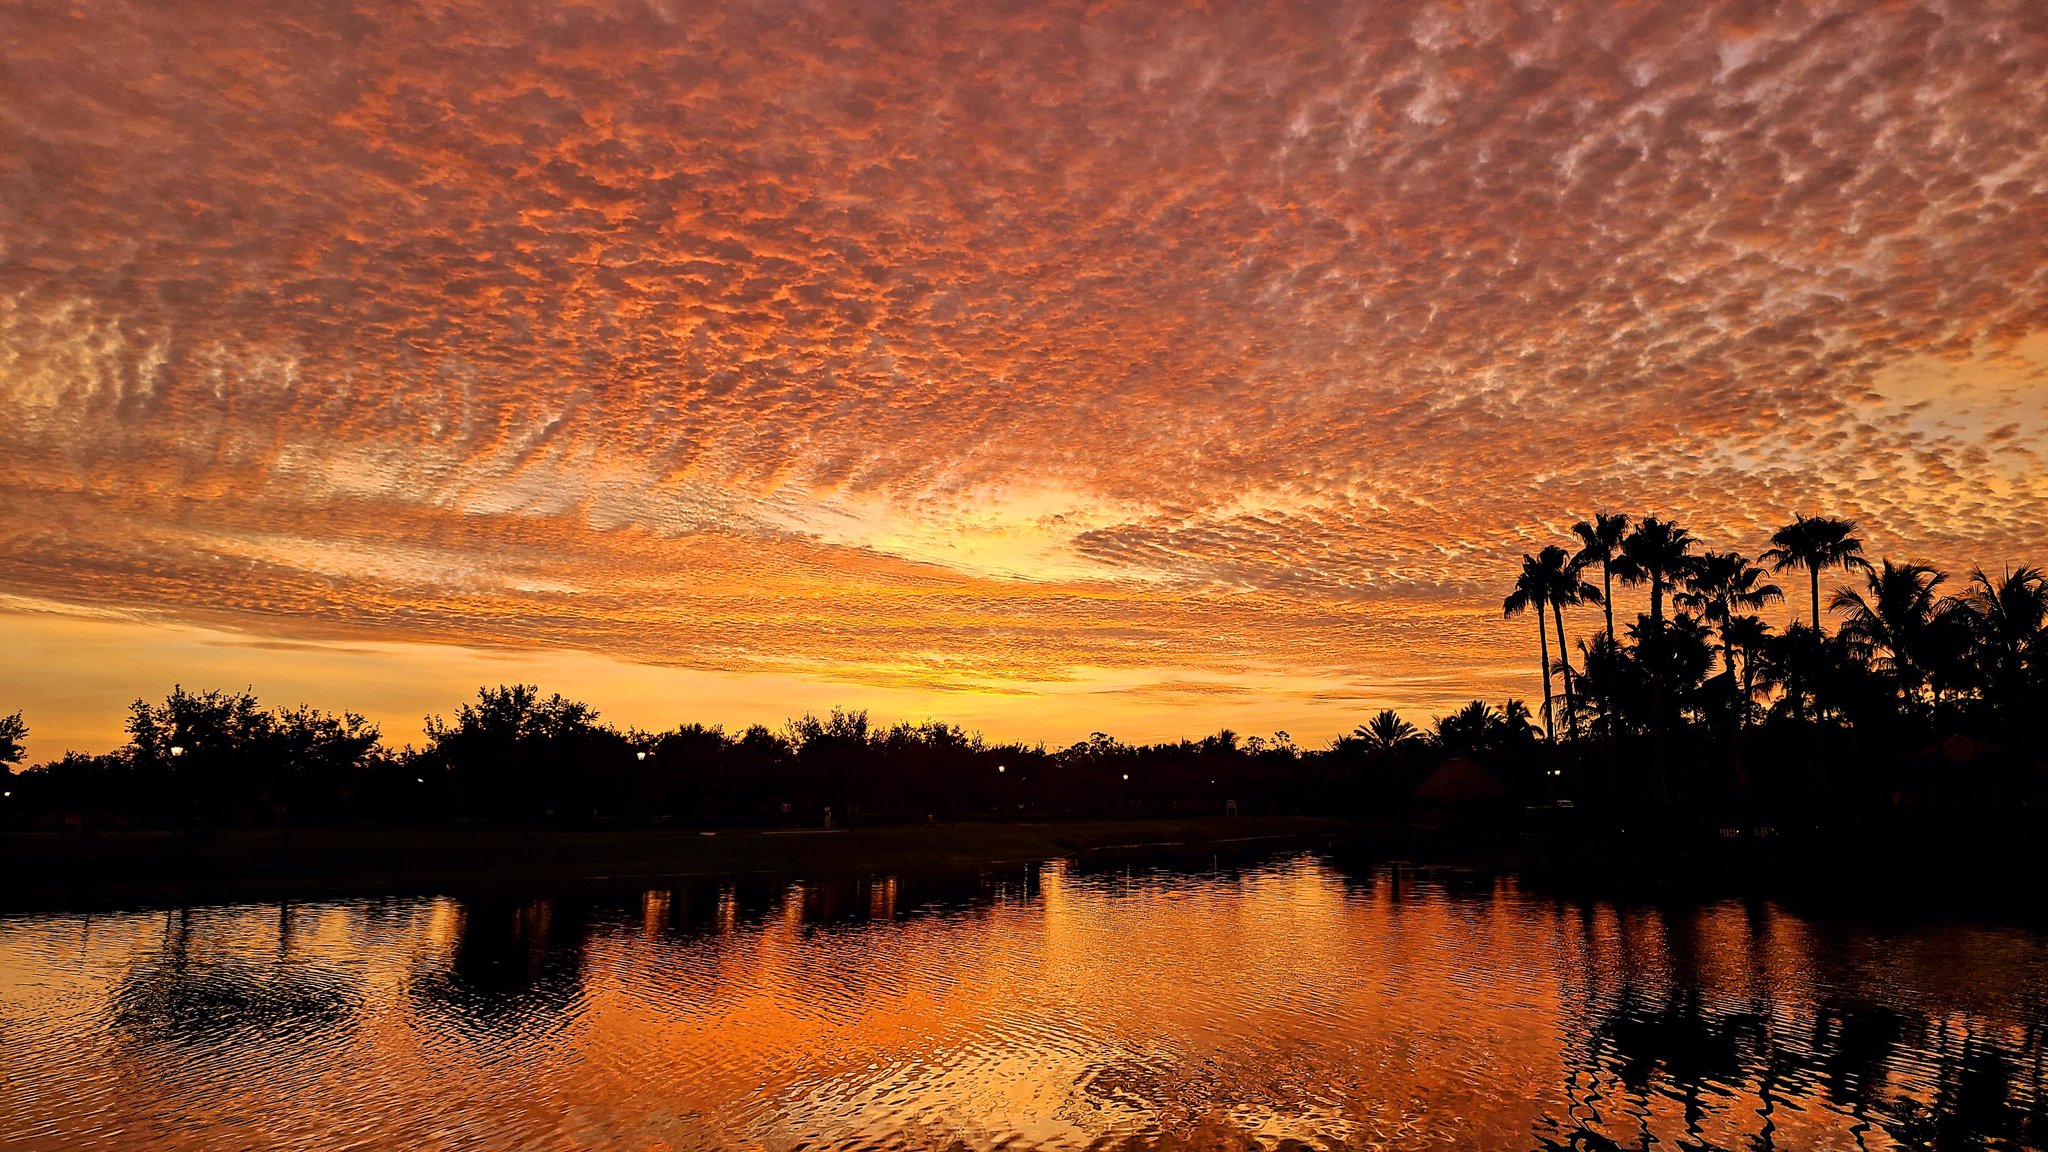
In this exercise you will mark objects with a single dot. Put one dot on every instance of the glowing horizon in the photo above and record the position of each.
(1044, 370)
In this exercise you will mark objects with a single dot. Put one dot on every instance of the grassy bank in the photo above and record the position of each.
(47, 870)
(1861, 867)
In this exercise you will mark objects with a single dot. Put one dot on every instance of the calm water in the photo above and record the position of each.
(1287, 1002)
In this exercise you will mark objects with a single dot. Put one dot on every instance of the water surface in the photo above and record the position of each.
(1292, 1003)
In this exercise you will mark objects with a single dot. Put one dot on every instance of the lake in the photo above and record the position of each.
(1286, 1002)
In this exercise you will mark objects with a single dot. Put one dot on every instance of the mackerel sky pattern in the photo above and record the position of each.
(1221, 349)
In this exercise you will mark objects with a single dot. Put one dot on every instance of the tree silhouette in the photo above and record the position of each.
(1607, 683)
(1674, 659)
(1532, 592)
(1600, 543)
(1565, 588)
(1721, 586)
(1815, 543)
(515, 753)
(1657, 553)
(309, 747)
(1747, 635)
(1516, 726)
(209, 751)
(1908, 674)
(2009, 620)
(1387, 733)
(1890, 621)
(1479, 728)
(1806, 666)
(12, 733)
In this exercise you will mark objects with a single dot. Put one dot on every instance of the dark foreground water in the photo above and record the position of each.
(1287, 1002)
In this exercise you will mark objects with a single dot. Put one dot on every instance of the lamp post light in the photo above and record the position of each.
(177, 749)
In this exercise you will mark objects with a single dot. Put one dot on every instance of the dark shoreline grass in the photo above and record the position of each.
(1852, 871)
(46, 871)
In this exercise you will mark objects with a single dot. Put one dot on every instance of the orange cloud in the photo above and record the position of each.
(993, 348)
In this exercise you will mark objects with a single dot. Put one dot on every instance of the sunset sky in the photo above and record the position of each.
(1041, 367)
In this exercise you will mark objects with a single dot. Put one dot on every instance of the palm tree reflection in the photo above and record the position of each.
(1659, 1060)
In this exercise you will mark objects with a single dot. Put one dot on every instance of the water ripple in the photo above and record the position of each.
(1292, 1004)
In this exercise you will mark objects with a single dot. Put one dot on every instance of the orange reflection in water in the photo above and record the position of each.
(1214, 1007)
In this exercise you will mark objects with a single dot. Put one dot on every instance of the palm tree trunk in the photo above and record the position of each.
(1657, 772)
(1564, 663)
(1814, 571)
(1741, 690)
(1748, 680)
(1607, 590)
(1543, 647)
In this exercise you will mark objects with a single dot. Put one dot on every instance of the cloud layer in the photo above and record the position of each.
(981, 345)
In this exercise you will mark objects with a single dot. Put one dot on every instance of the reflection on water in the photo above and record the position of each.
(1289, 1004)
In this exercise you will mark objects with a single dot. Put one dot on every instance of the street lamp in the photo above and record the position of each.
(177, 750)
(1000, 768)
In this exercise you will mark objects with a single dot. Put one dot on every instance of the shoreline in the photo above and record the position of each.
(71, 871)
(1852, 870)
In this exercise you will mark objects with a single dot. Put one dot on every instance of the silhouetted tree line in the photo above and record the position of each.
(516, 757)
(1919, 698)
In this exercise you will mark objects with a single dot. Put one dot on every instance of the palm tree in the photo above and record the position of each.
(1657, 553)
(1676, 659)
(1601, 544)
(1890, 619)
(1386, 732)
(1816, 543)
(1608, 684)
(1515, 724)
(1951, 653)
(1479, 727)
(1565, 588)
(1473, 728)
(1747, 635)
(2009, 617)
(1532, 591)
(1720, 586)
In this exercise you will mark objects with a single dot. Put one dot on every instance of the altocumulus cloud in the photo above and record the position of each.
(975, 344)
